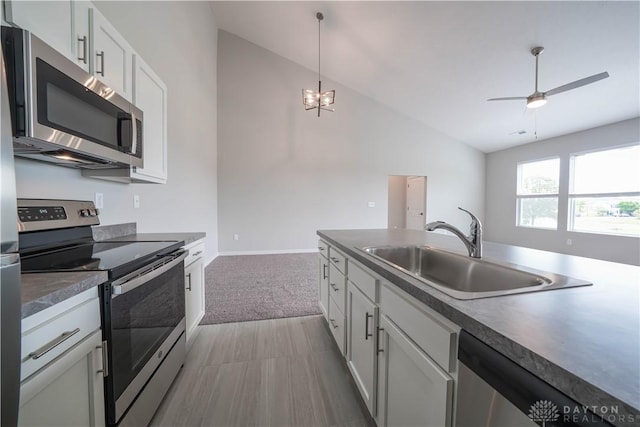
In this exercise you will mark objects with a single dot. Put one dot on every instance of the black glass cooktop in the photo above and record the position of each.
(118, 258)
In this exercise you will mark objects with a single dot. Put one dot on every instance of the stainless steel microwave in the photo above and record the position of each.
(62, 114)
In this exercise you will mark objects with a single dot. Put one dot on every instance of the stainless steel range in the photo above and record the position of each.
(143, 310)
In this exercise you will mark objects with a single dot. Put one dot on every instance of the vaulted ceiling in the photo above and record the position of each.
(439, 62)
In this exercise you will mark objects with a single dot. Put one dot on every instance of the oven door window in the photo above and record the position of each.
(141, 320)
(68, 106)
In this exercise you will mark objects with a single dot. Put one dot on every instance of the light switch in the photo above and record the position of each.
(136, 201)
(99, 200)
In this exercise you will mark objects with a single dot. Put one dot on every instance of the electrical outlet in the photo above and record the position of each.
(236, 237)
(99, 200)
(371, 204)
(136, 201)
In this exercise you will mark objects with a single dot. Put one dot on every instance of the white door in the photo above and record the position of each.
(416, 202)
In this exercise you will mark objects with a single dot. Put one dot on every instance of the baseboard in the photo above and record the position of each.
(272, 252)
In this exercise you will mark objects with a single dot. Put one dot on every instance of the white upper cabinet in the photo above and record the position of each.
(82, 34)
(150, 95)
(112, 56)
(49, 20)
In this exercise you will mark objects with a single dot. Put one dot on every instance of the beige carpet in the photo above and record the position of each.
(254, 287)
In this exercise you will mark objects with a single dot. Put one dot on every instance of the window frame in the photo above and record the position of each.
(573, 196)
(521, 197)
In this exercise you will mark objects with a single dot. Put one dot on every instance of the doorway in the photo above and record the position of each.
(407, 202)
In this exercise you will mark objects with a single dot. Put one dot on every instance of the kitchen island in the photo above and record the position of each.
(583, 341)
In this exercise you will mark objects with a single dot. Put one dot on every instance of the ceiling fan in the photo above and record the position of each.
(538, 99)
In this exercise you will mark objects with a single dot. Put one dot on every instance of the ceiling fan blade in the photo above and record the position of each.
(577, 83)
(511, 98)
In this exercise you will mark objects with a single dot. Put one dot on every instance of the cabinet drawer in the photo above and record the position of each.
(323, 248)
(338, 259)
(428, 329)
(67, 328)
(336, 324)
(196, 250)
(363, 280)
(337, 284)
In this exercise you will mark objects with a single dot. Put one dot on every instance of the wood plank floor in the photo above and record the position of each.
(277, 372)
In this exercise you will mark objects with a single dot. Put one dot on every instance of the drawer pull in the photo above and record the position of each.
(334, 287)
(333, 323)
(321, 248)
(378, 349)
(366, 326)
(53, 344)
(197, 253)
(334, 259)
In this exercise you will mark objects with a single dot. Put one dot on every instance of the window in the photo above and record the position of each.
(537, 194)
(604, 192)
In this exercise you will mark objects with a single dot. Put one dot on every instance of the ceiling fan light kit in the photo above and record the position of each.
(538, 99)
(318, 99)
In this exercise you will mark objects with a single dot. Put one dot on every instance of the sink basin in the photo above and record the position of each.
(463, 277)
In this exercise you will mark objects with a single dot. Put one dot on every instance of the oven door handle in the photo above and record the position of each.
(144, 274)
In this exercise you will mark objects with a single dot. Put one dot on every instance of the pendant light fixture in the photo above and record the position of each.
(318, 99)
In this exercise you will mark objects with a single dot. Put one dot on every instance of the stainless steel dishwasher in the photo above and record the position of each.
(495, 391)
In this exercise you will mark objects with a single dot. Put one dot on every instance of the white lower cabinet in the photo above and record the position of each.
(194, 287)
(323, 280)
(69, 391)
(362, 315)
(62, 381)
(412, 389)
(400, 352)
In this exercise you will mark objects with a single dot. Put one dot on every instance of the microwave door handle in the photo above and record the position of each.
(134, 134)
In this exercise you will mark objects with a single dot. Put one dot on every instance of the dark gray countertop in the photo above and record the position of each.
(584, 341)
(42, 290)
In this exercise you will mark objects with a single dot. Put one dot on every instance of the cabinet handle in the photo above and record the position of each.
(189, 277)
(197, 253)
(378, 349)
(366, 325)
(334, 259)
(324, 271)
(105, 359)
(334, 287)
(333, 323)
(53, 344)
(321, 248)
(101, 55)
(83, 40)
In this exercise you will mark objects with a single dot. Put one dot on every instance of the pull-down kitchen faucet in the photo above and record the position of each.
(473, 241)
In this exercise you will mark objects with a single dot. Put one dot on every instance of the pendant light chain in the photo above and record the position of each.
(319, 19)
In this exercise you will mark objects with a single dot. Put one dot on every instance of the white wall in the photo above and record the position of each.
(179, 41)
(501, 200)
(283, 173)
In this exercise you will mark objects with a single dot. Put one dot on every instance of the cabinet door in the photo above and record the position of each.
(112, 55)
(68, 391)
(194, 297)
(324, 285)
(150, 95)
(82, 34)
(52, 21)
(412, 389)
(362, 317)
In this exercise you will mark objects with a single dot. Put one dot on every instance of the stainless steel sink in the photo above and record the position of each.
(463, 277)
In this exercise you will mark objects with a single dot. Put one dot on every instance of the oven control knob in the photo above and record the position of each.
(84, 212)
(93, 212)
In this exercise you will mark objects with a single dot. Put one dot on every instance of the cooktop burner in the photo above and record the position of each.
(118, 258)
